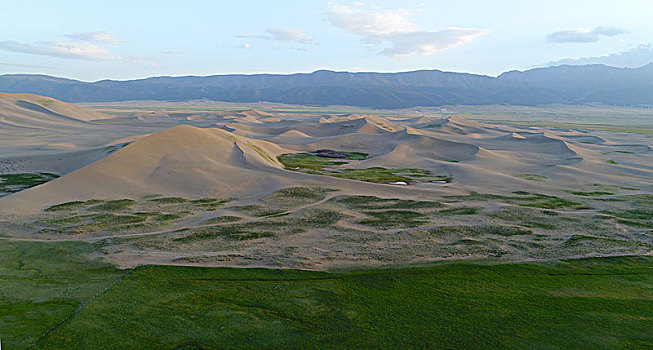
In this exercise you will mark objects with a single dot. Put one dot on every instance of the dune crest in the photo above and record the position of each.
(46, 108)
(183, 160)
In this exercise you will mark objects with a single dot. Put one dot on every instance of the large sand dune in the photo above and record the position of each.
(233, 154)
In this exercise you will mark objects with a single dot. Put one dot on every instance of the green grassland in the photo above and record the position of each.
(11, 183)
(54, 297)
(311, 163)
(42, 284)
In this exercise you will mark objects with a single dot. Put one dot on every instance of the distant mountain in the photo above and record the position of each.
(562, 84)
(593, 83)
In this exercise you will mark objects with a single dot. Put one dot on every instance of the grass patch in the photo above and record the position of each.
(371, 202)
(307, 161)
(524, 199)
(297, 196)
(475, 231)
(640, 217)
(327, 153)
(258, 210)
(313, 163)
(382, 175)
(222, 220)
(459, 211)
(113, 205)
(638, 224)
(72, 205)
(526, 217)
(575, 304)
(634, 213)
(209, 204)
(12, 183)
(93, 216)
(550, 202)
(169, 200)
(168, 217)
(591, 193)
(229, 233)
(272, 227)
(394, 218)
(583, 243)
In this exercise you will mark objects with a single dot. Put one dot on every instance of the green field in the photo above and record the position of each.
(311, 163)
(11, 183)
(54, 296)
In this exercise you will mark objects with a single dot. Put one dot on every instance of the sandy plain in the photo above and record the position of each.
(211, 184)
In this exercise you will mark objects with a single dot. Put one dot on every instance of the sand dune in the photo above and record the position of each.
(183, 160)
(233, 153)
(45, 108)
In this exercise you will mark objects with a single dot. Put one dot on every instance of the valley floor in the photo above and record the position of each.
(53, 298)
(199, 225)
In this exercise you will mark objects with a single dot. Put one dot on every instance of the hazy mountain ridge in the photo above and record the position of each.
(561, 84)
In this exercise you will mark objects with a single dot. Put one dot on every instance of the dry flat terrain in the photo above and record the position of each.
(287, 186)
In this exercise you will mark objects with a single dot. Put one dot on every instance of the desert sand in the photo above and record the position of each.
(233, 154)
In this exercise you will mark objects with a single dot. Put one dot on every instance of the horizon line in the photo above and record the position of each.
(319, 70)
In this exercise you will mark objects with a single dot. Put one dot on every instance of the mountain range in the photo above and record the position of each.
(560, 84)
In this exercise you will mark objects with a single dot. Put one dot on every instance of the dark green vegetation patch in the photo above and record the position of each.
(591, 193)
(524, 199)
(318, 164)
(11, 183)
(394, 218)
(114, 205)
(317, 160)
(383, 175)
(475, 231)
(297, 196)
(459, 211)
(639, 216)
(56, 300)
(371, 202)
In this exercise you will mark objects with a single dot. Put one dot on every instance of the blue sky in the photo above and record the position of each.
(93, 40)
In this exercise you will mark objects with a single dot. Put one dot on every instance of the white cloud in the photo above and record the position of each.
(374, 23)
(289, 34)
(393, 28)
(427, 43)
(635, 57)
(282, 34)
(584, 35)
(96, 37)
(62, 49)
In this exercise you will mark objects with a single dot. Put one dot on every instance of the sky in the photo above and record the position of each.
(95, 40)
